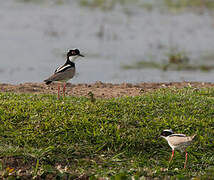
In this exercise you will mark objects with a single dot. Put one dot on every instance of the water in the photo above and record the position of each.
(35, 36)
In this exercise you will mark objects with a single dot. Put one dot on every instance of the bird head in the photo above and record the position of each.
(73, 54)
(167, 132)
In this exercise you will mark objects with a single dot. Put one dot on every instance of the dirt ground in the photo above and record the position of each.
(99, 89)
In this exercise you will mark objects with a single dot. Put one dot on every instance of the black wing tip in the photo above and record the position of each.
(48, 82)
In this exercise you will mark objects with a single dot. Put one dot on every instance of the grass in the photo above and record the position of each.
(119, 138)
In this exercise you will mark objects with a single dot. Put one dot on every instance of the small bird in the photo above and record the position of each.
(66, 71)
(177, 141)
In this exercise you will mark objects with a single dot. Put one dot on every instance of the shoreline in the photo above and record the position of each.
(99, 89)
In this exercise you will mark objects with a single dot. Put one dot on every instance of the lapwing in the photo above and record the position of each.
(66, 71)
(177, 141)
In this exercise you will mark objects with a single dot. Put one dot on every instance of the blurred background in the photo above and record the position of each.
(122, 40)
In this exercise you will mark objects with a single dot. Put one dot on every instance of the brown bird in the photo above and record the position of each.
(66, 71)
(177, 141)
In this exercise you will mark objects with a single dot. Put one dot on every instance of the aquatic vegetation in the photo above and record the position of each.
(105, 4)
(182, 4)
(149, 5)
(176, 60)
(143, 64)
(168, 66)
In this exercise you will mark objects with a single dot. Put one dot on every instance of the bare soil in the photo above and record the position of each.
(99, 89)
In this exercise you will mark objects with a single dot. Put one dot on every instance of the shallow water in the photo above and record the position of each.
(35, 36)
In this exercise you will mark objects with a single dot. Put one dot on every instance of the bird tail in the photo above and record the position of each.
(47, 82)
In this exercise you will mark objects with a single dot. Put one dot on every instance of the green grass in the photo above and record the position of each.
(110, 137)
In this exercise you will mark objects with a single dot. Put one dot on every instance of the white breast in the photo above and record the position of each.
(73, 58)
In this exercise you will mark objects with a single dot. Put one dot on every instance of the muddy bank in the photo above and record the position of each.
(99, 89)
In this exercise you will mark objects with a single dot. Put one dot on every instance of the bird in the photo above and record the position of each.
(177, 141)
(66, 71)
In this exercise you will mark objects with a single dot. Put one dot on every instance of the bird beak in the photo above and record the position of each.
(81, 55)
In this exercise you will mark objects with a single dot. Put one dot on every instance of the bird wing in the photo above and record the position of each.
(62, 68)
(179, 139)
(178, 135)
(62, 73)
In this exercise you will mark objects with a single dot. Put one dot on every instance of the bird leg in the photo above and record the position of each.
(64, 90)
(58, 91)
(185, 159)
(172, 155)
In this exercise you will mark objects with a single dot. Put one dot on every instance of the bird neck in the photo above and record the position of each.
(70, 63)
(165, 137)
(71, 58)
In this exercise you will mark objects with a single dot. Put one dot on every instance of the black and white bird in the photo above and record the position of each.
(177, 141)
(66, 71)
